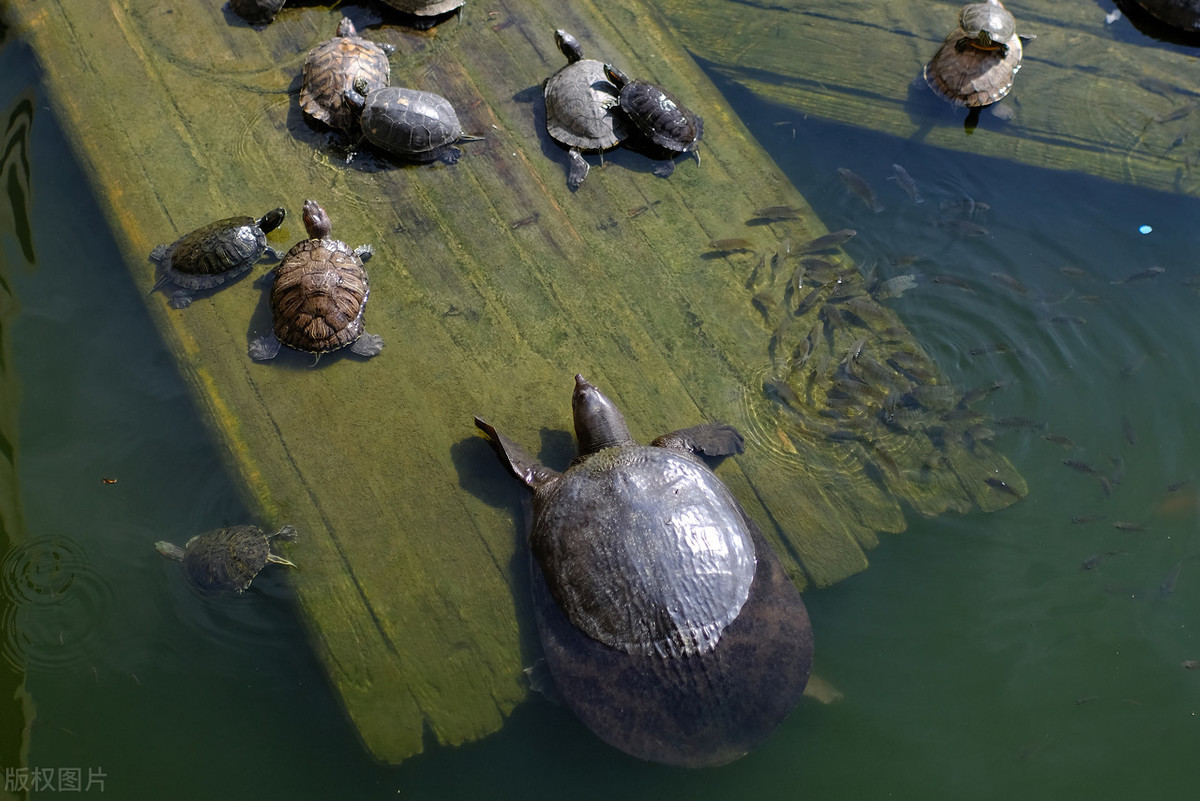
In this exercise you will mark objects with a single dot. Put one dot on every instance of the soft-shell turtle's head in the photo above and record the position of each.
(599, 424)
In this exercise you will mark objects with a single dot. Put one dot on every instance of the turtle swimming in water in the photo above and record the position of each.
(669, 126)
(582, 108)
(330, 70)
(227, 558)
(977, 62)
(213, 254)
(319, 295)
(669, 626)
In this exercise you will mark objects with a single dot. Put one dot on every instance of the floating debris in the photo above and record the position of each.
(828, 241)
(1144, 275)
(905, 181)
(1001, 486)
(524, 221)
(855, 183)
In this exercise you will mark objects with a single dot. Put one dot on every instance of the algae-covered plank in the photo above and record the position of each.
(492, 284)
(1091, 96)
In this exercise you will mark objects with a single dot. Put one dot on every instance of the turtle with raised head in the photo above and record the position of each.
(319, 295)
(409, 123)
(227, 558)
(977, 62)
(669, 626)
(330, 71)
(582, 108)
(213, 254)
(669, 126)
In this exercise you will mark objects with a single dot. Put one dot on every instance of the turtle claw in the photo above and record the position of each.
(367, 345)
(364, 252)
(710, 439)
(264, 348)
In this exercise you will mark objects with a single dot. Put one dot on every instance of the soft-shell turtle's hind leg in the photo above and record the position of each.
(524, 467)
(710, 439)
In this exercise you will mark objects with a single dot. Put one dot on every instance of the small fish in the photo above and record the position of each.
(1019, 422)
(1176, 485)
(1058, 439)
(1087, 699)
(1010, 282)
(785, 441)
(1001, 486)
(1178, 113)
(1092, 561)
(1128, 431)
(950, 280)
(731, 246)
(781, 392)
(963, 227)
(1149, 272)
(1082, 519)
(777, 213)
(855, 183)
(969, 205)
(896, 286)
(524, 221)
(1168, 583)
(1133, 366)
(906, 182)
(108, 481)
(1106, 486)
(1095, 300)
(1073, 272)
(828, 241)
(1127, 525)
(1082, 467)
(995, 347)
(1190, 664)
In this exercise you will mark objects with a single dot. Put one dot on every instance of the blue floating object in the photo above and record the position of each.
(1144, 229)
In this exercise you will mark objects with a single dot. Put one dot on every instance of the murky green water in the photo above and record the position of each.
(977, 658)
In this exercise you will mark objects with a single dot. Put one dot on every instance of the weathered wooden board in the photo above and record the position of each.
(1090, 96)
(492, 285)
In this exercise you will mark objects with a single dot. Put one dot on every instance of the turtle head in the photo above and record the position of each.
(356, 95)
(271, 220)
(568, 45)
(346, 28)
(316, 221)
(599, 424)
(618, 78)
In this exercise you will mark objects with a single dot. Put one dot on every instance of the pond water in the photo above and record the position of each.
(1036, 652)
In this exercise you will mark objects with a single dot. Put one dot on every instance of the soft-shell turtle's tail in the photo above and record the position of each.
(524, 467)
(169, 550)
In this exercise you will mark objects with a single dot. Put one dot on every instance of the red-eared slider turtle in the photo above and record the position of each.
(256, 12)
(414, 125)
(227, 558)
(668, 624)
(976, 63)
(582, 108)
(319, 295)
(424, 11)
(331, 69)
(1183, 15)
(659, 116)
(214, 254)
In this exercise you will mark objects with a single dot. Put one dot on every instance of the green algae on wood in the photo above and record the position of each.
(492, 284)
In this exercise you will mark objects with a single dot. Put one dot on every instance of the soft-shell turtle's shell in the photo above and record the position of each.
(668, 623)
(227, 558)
(331, 69)
(214, 254)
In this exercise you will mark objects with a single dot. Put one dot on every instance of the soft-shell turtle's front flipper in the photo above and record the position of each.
(524, 467)
(710, 439)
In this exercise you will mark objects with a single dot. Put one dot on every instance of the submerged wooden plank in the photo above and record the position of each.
(491, 285)
(1090, 96)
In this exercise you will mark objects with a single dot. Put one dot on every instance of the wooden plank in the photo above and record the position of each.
(407, 556)
(1090, 96)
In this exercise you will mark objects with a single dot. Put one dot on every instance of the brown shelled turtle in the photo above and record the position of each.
(976, 63)
(669, 626)
(213, 254)
(408, 123)
(330, 71)
(319, 295)
(582, 108)
(660, 117)
(227, 558)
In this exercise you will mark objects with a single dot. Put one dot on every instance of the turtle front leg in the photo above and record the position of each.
(709, 439)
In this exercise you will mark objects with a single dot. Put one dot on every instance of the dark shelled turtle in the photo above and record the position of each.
(668, 623)
(319, 295)
(1183, 15)
(425, 8)
(977, 62)
(331, 69)
(659, 116)
(581, 108)
(227, 558)
(256, 12)
(408, 123)
(214, 254)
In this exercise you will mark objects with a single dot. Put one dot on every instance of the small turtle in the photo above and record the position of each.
(659, 116)
(414, 125)
(668, 624)
(319, 295)
(976, 63)
(1183, 15)
(227, 558)
(424, 11)
(256, 12)
(214, 254)
(331, 69)
(581, 108)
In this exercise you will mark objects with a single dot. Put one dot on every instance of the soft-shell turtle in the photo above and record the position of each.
(319, 295)
(214, 254)
(331, 69)
(659, 116)
(582, 108)
(1183, 15)
(668, 623)
(976, 63)
(227, 558)
(415, 125)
